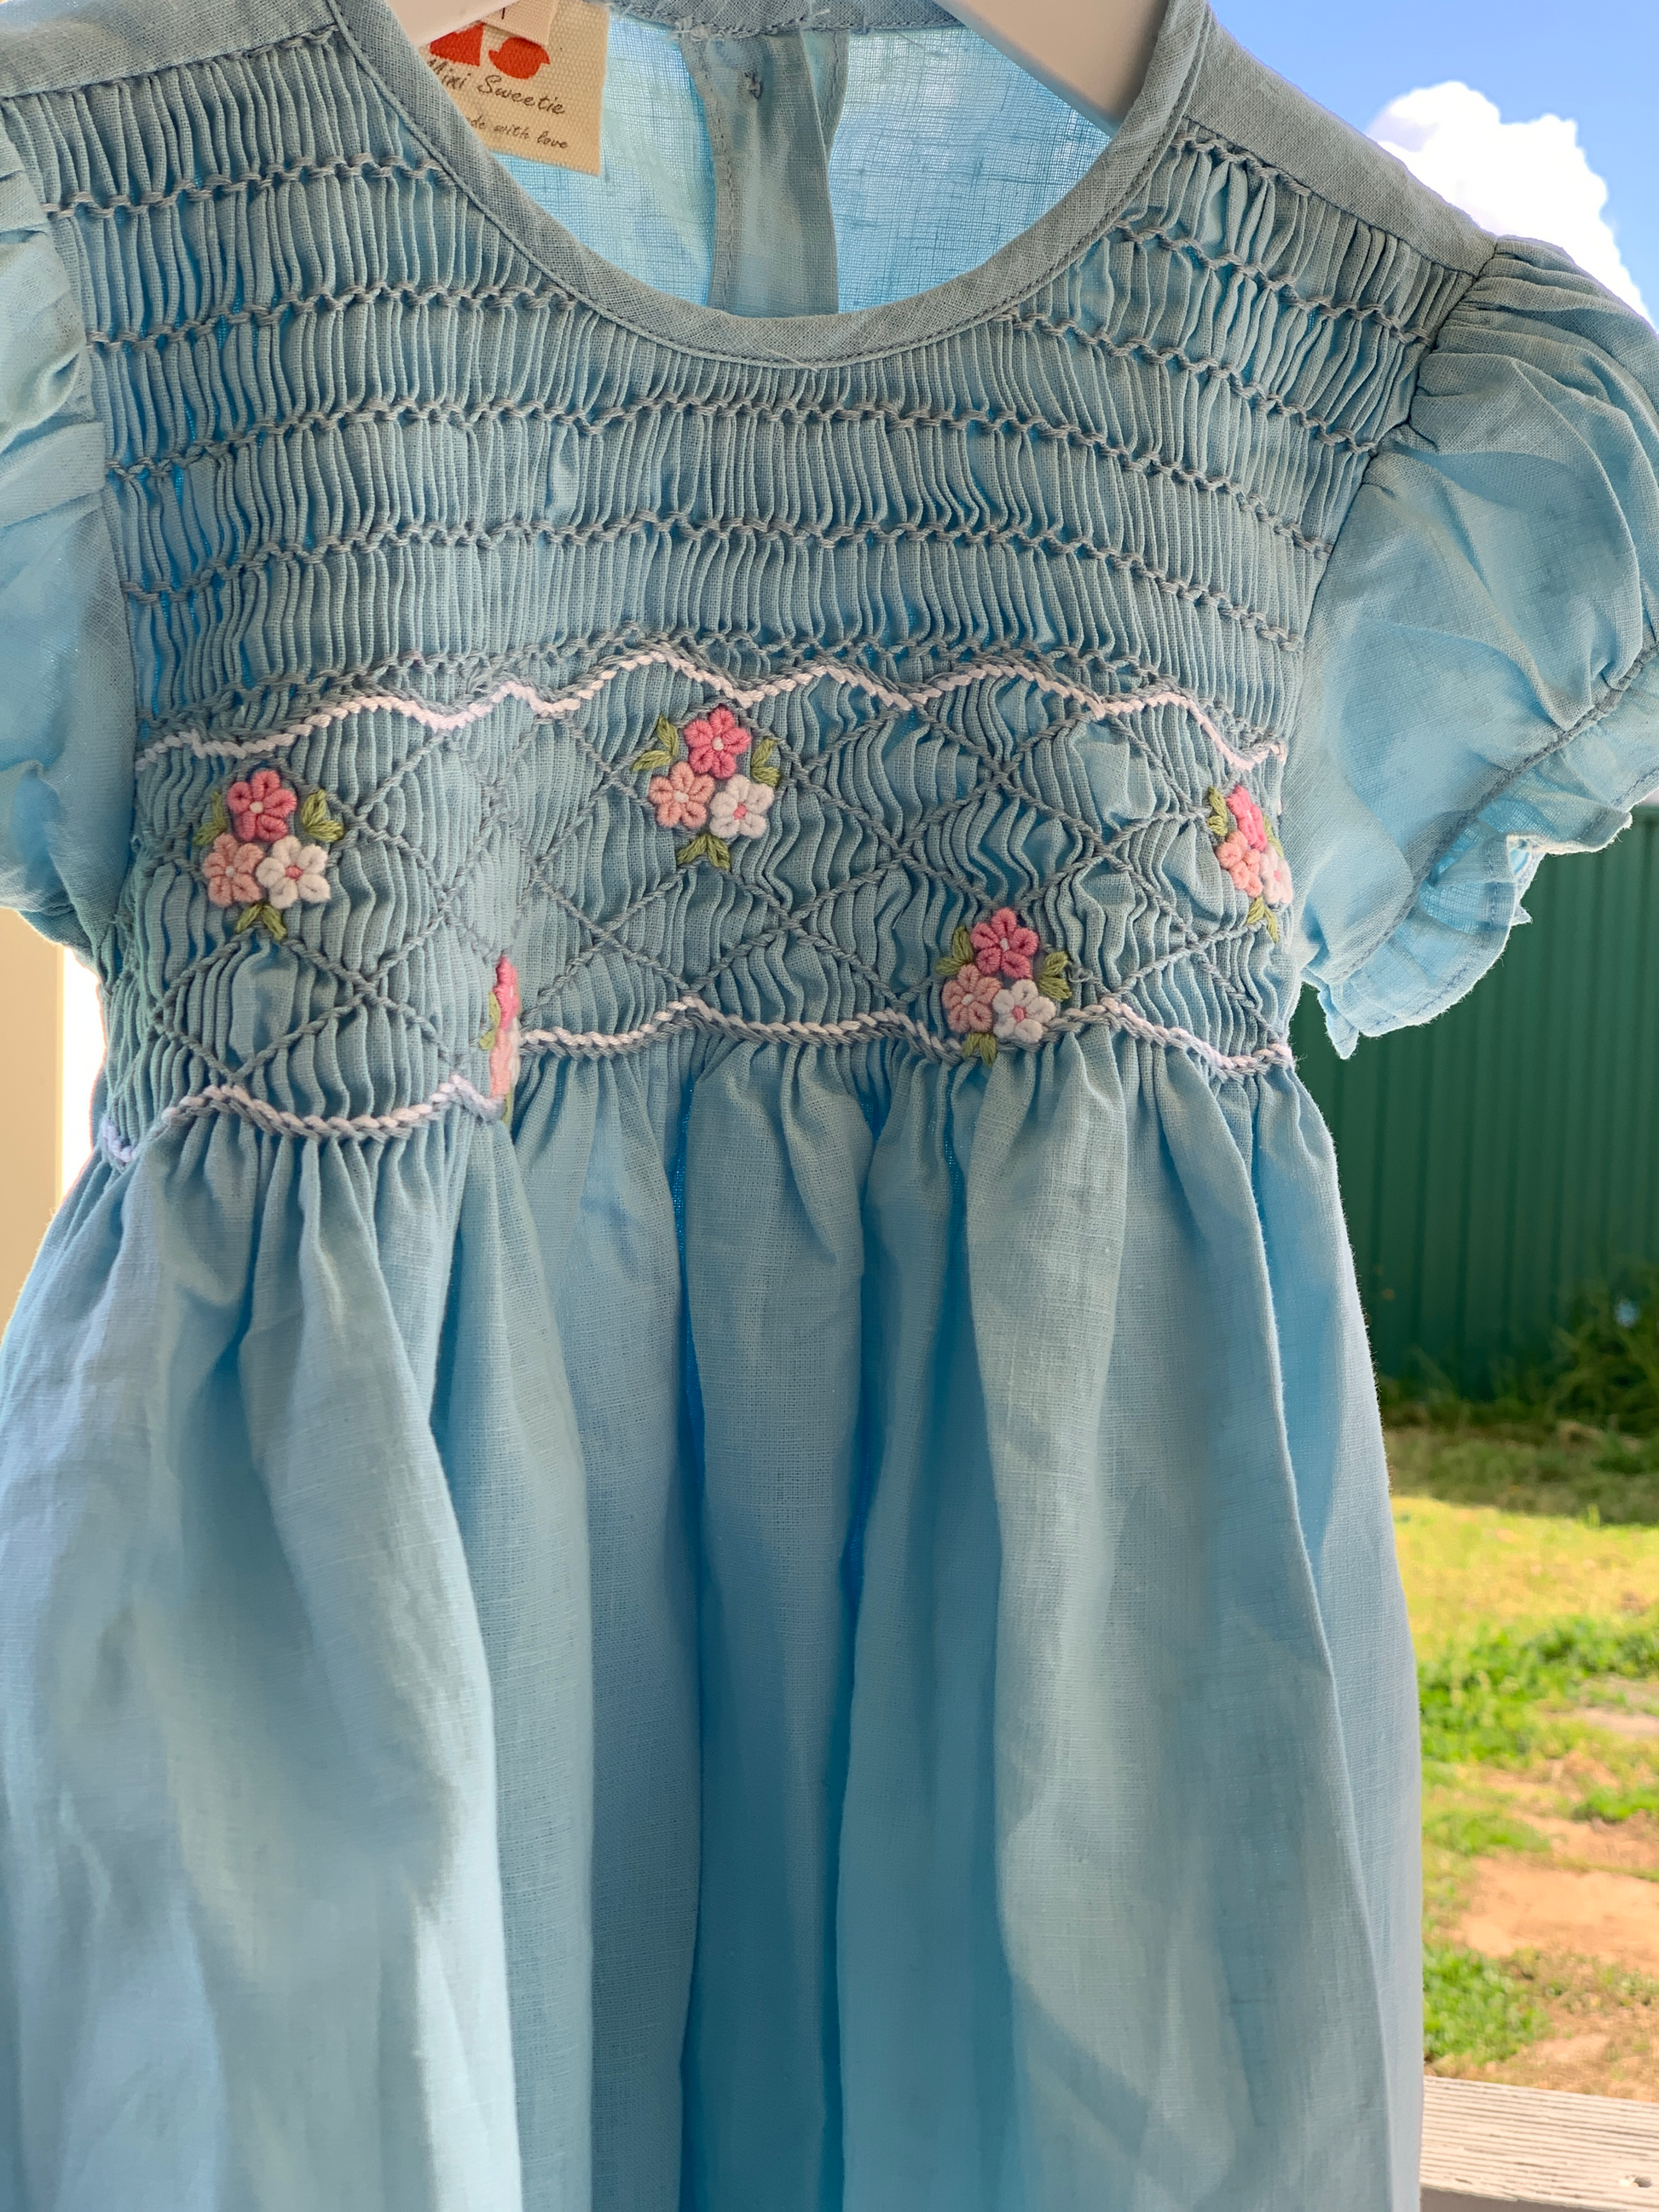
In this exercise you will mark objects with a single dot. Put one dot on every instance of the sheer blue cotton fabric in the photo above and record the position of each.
(789, 1620)
(1507, 636)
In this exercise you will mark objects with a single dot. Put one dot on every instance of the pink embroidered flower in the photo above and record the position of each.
(506, 1037)
(228, 867)
(716, 742)
(1240, 863)
(1276, 886)
(260, 807)
(1252, 827)
(1021, 1013)
(681, 796)
(292, 871)
(740, 808)
(970, 999)
(1003, 946)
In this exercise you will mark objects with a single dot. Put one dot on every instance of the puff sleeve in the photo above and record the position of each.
(1480, 685)
(67, 708)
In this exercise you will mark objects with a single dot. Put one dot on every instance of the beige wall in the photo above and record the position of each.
(31, 1097)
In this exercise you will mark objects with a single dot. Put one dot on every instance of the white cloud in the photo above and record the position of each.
(1529, 179)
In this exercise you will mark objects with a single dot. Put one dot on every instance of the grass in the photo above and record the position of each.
(1470, 1832)
(1471, 2008)
(1612, 1806)
(1565, 1472)
(1520, 1530)
(1528, 1543)
(1497, 1697)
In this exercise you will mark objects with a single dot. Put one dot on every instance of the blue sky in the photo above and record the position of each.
(1597, 61)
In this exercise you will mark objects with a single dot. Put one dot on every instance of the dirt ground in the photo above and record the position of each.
(1577, 1919)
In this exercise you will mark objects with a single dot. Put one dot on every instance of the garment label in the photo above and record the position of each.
(530, 79)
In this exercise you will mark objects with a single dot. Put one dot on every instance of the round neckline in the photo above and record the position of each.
(1032, 257)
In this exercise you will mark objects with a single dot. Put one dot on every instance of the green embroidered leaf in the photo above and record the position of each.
(664, 749)
(1051, 977)
(979, 1044)
(1258, 914)
(719, 850)
(1273, 837)
(1219, 821)
(261, 915)
(215, 825)
(317, 823)
(765, 749)
(1271, 921)
(764, 773)
(694, 849)
(960, 956)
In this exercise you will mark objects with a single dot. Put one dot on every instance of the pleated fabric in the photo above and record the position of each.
(628, 1582)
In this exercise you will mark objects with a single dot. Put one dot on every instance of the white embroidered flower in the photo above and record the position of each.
(1021, 1013)
(1276, 877)
(740, 807)
(292, 871)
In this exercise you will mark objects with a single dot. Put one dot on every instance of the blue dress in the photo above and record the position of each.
(691, 1509)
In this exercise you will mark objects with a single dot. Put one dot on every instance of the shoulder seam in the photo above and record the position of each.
(1201, 137)
(53, 86)
(1251, 111)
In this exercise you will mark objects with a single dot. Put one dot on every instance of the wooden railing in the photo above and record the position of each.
(31, 1099)
(1487, 2148)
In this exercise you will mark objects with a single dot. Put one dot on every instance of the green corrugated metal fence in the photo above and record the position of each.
(1495, 1159)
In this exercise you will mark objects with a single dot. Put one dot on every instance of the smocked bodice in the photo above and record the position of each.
(405, 518)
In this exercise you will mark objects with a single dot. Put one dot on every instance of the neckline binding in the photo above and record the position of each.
(1030, 259)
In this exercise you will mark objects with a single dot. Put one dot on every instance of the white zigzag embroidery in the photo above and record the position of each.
(679, 1014)
(1102, 706)
(230, 1099)
(695, 1012)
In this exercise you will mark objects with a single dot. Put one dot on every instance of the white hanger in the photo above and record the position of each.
(1091, 53)
(426, 20)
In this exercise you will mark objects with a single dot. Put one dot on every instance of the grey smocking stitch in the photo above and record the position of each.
(275, 313)
(791, 920)
(1314, 303)
(1173, 356)
(684, 526)
(785, 414)
(1197, 138)
(311, 169)
(363, 987)
(178, 845)
(794, 919)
